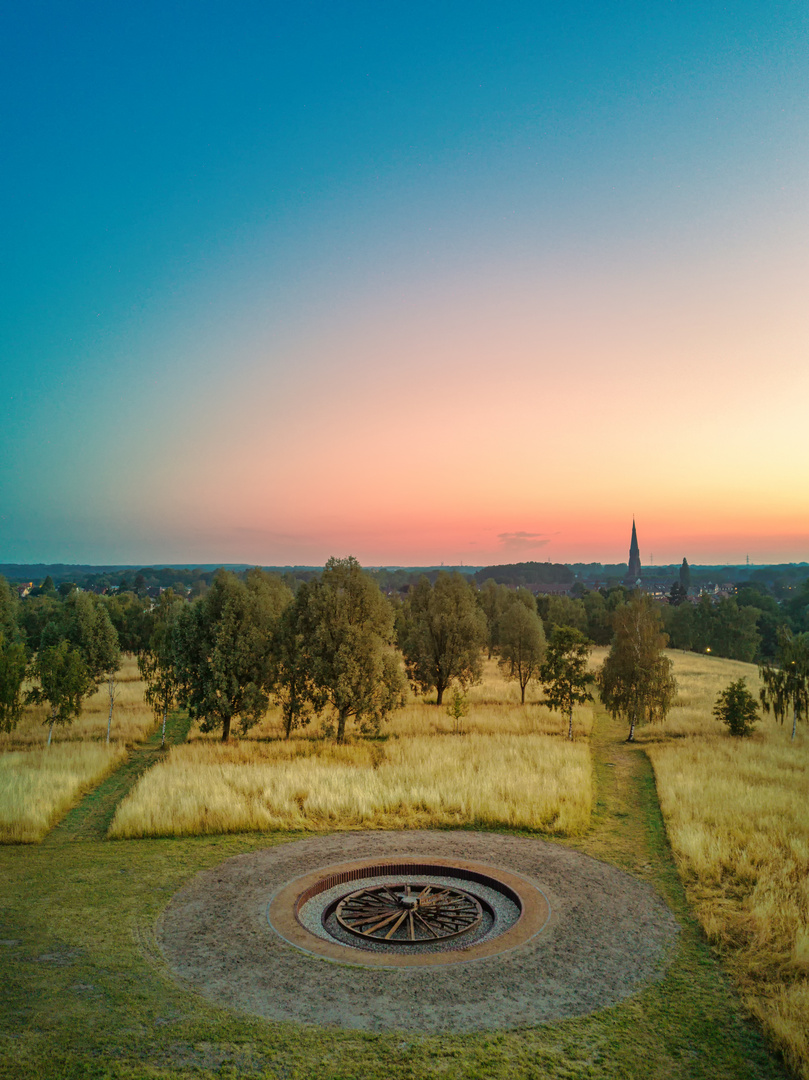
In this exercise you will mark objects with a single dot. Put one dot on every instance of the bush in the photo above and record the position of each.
(736, 707)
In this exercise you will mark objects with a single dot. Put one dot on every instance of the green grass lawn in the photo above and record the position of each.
(84, 992)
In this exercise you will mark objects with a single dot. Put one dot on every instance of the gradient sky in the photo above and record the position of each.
(418, 282)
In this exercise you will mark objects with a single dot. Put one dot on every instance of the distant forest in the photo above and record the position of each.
(198, 577)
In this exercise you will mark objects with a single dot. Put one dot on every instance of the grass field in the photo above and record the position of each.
(523, 782)
(38, 786)
(84, 991)
(737, 815)
(494, 709)
(132, 717)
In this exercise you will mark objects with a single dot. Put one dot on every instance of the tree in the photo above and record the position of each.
(786, 684)
(635, 680)
(64, 682)
(735, 631)
(85, 623)
(492, 599)
(457, 710)
(156, 664)
(702, 625)
(291, 678)
(522, 640)
(35, 614)
(132, 618)
(599, 630)
(347, 634)
(46, 588)
(797, 608)
(444, 632)
(678, 594)
(82, 621)
(9, 612)
(222, 649)
(13, 666)
(564, 611)
(736, 708)
(678, 621)
(13, 659)
(564, 672)
(685, 576)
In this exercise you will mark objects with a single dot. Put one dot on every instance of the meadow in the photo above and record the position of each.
(39, 784)
(735, 813)
(132, 720)
(484, 781)
(37, 787)
(737, 818)
(507, 767)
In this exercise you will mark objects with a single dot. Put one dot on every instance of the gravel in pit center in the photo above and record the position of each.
(609, 934)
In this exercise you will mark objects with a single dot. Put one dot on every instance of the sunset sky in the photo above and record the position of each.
(415, 282)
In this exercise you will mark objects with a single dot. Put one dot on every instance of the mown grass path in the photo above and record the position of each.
(90, 818)
(84, 991)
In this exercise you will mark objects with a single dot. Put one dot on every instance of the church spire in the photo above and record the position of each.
(633, 571)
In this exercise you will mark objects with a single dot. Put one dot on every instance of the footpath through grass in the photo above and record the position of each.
(90, 819)
(84, 991)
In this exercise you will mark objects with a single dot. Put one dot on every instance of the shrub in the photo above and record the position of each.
(736, 707)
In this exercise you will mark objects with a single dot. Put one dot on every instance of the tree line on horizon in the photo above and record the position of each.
(334, 644)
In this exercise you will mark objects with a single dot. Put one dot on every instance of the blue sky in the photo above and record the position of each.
(252, 246)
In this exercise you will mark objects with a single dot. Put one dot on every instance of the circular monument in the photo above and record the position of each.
(418, 931)
(408, 912)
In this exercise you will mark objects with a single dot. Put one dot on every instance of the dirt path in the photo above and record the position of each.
(627, 826)
(90, 819)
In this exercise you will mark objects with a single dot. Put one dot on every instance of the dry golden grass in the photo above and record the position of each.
(737, 815)
(38, 786)
(494, 709)
(132, 718)
(502, 770)
(529, 781)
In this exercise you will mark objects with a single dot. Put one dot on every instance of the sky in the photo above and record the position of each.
(419, 282)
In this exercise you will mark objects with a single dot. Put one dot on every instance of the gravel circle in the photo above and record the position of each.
(609, 934)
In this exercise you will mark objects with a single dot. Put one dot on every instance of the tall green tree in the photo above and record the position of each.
(685, 576)
(63, 682)
(222, 649)
(156, 663)
(635, 680)
(734, 632)
(85, 623)
(9, 612)
(291, 669)
(564, 674)
(35, 613)
(13, 658)
(565, 611)
(678, 621)
(522, 640)
(492, 599)
(444, 633)
(599, 627)
(131, 615)
(347, 632)
(786, 683)
(13, 667)
(678, 594)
